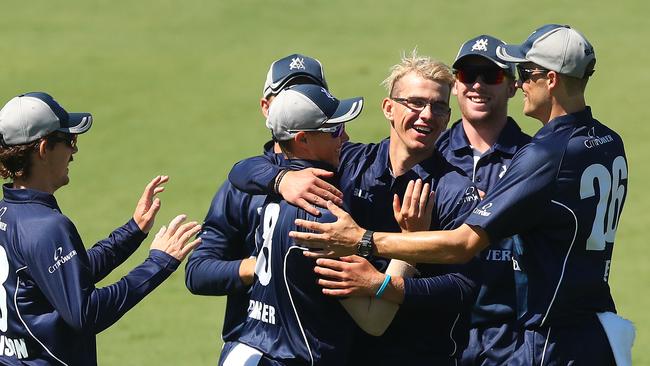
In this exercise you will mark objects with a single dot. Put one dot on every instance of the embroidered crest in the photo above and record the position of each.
(480, 45)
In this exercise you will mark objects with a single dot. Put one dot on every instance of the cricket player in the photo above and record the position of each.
(482, 143)
(562, 195)
(289, 320)
(224, 263)
(431, 324)
(50, 309)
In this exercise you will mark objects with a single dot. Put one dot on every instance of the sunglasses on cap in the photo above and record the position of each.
(335, 131)
(67, 138)
(526, 73)
(490, 76)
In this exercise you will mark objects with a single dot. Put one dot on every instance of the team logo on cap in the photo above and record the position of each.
(480, 45)
(327, 94)
(297, 63)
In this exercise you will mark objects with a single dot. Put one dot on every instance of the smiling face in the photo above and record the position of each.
(412, 130)
(478, 100)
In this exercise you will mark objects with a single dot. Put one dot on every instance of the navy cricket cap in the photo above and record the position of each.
(290, 67)
(555, 47)
(308, 107)
(484, 46)
(28, 117)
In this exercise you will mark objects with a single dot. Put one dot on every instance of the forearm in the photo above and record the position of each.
(204, 276)
(254, 175)
(373, 314)
(109, 253)
(444, 292)
(453, 246)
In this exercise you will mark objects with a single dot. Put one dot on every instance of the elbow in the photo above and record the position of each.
(374, 328)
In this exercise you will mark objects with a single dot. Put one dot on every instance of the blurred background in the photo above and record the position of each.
(174, 87)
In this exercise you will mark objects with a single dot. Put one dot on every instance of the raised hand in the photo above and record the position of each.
(148, 206)
(175, 238)
(415, 213)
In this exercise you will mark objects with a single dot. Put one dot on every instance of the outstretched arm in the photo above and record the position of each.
(109, 253)
(302, 188)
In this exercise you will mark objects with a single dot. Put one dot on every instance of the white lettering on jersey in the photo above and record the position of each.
(13, 347)
(260, 311)
(501, 255)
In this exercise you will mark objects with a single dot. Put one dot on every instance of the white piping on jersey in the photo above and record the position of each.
(293, 306)
(566, 258)
(548, 335)
(25, 324)
(453, 326)
(451, 335)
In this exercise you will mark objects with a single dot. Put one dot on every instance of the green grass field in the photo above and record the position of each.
(174, 88)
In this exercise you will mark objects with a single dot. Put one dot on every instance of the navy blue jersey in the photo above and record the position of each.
(563, 195)
(431, 324)
(496, 302)
(368, 188)
(50, 310)
(227, 236)
(289, 318)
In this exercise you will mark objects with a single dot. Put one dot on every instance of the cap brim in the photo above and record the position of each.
(459, 61)
(78, 123)
(511, 53)
(347, 110)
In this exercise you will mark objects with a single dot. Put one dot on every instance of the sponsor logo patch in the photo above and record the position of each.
(483, 210)
(60, 259)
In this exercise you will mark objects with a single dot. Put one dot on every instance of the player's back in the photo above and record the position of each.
(289, 319)
(31, 330)
(565, 258)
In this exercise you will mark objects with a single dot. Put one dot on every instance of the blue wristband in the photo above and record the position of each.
(383, 286)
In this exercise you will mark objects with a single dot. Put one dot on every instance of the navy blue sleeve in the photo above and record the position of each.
(109, 253)
(510, 207)
(213, 267)
(456, 289)
(68, 282)
(255, 175)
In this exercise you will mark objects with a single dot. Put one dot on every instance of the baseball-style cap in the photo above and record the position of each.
(555, 47)
(307, 107)
(288, 68)
(28, 117)
(484, 46)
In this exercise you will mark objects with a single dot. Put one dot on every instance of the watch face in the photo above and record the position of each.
(365, 248)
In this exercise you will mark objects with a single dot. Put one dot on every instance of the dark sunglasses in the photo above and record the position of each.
(418, 105)
(67, 138)
(490, 76)
(525, 74)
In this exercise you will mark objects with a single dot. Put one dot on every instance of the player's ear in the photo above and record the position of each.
(42, 149)
(552, 80)
(387, 108)
(264, 106)
(300, 138)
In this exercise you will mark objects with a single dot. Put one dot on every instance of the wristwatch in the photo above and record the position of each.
(365, 245)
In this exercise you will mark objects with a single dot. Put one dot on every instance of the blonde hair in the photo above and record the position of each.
(423, 66)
